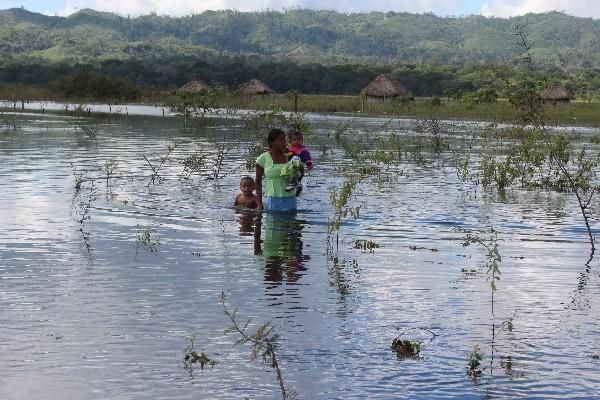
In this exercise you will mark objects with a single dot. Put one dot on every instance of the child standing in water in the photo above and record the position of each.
(247, 198)
(298, 150)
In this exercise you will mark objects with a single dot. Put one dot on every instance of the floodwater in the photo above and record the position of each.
(102, 287)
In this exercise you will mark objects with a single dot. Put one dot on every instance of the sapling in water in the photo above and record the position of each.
(474, 360)
(262, 343)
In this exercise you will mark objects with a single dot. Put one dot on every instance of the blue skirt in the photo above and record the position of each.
(281, 204)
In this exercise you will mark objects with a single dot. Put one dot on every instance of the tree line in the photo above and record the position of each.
(130, 79)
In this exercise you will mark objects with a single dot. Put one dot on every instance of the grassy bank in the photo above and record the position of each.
(577, 113)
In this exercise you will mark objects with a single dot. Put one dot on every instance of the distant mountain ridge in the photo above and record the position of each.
(302, 35)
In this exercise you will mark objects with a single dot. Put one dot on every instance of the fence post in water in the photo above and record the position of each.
(163, 110)
(185, 115)
(22, 104)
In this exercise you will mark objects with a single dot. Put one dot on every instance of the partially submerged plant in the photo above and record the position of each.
(195, 163)
(406, 348)
(191, 356)
(109, 168)
(339, 199)
(493, 257)
(262, 343)
(148, 239)
(474, 360)
(365, 245)
(78, 178)
(156, 166)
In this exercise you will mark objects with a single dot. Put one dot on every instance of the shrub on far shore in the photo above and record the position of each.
(90, 85)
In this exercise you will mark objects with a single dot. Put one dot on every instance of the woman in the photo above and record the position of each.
(270, 164)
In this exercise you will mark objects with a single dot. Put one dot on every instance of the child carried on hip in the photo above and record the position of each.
(296, 151)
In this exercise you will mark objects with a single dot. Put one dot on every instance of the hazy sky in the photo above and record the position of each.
(500, 8)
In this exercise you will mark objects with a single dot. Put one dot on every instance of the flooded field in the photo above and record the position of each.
(115, 250)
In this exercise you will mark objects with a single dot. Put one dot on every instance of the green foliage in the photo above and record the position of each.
(484, 95)
(262, 344)
(339, 198)
(524, 95)
(91, 85)
(314, 52)
(462, 166)
(491, 247)
(365, 245)
(508, 325)
(191, 356)
(305, 35)
(474, 360)
(406, 348)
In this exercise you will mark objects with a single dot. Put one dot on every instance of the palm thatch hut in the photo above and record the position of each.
(556, 95)
(254, 86)
(194, 86)
(384, 89)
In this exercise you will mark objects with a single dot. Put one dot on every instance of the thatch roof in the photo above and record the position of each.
(195, 86)
(556, 93)
(254, 86)
(385, 85)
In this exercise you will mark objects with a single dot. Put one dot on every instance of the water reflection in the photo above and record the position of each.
(281, 247)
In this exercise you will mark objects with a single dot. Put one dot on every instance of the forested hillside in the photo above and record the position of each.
(308, 51)
(303, 35)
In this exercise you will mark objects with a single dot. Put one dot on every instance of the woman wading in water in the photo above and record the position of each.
(274, 166)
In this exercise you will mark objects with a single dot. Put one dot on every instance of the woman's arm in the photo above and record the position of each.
(260, 172)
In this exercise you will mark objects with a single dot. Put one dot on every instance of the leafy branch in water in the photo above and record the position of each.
(493, 257)
(262, 343)
(191, 356)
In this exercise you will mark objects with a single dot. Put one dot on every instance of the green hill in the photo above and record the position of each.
(300, 35)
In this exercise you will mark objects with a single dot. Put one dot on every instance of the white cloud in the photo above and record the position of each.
(510, 8)
(186, 7)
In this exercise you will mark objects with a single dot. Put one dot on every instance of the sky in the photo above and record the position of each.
(497, 8)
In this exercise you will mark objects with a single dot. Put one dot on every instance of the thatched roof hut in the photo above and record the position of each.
(556, 95)
(254, 86)
(383, 89)
(195, 86)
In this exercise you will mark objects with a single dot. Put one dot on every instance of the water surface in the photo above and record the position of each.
(91, 310)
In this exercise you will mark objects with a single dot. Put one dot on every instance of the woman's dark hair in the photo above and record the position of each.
(274, 134)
